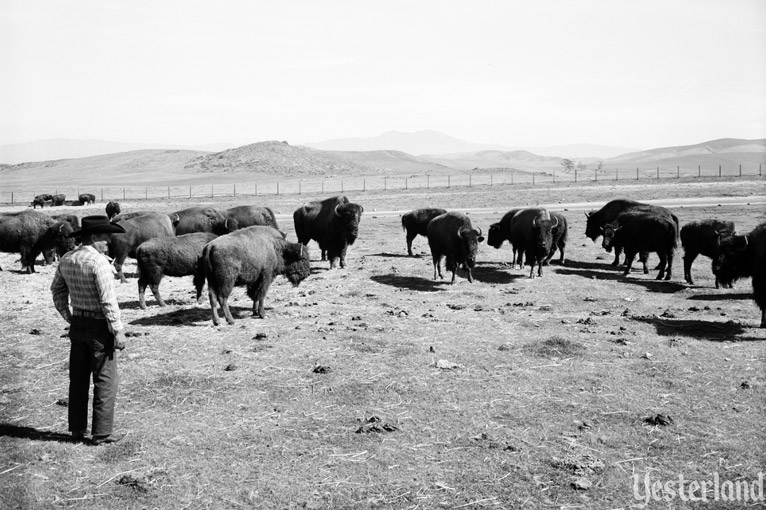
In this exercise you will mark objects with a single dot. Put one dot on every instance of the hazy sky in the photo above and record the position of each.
(632, 73)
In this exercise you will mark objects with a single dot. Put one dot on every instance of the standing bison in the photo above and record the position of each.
(416, 222)
(452, 235)
(41, 199)
(643, 232)
(168, 256)
(501, 231)
(250, 216)
(87, 198)
(202, 219)
(743, 256)
(596, 220)
(30, 233)
(59, 199)
(112, 210)
(252, 256)
(703, 238)
(137, 230)
(333, 223)
(538, 233)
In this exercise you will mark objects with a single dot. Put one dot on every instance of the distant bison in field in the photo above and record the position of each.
(596, 220)
(643, 232)
(453, 236)
(59, 199)
(112, 210)
(87, 198)
(252, 256)
(703, 238)
(538, 233)
(168, 256)
(333, 223)
(202, 219)
(742, 256)
(249, 216)
(41, 200)
(137, 230)
(416, 223)
(30, 233)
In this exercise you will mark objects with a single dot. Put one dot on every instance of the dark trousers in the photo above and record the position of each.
(92, 353)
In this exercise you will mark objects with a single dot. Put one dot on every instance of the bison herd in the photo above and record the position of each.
(244, 246)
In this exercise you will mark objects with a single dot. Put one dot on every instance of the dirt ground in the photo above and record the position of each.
(378, 387)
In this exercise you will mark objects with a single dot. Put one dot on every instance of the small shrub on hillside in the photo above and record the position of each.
(556, 347)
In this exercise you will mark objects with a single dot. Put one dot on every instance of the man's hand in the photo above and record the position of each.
(119, 340)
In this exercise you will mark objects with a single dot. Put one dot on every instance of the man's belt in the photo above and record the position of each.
(87, 314)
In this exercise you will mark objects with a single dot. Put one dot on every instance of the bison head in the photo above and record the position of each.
(542, 234)
(62, 241)
(495, 236)
(112, 209)
(297, 264)
(609, 231)
(592, 228)
(731, 259)
(348, 215)
(470, 238)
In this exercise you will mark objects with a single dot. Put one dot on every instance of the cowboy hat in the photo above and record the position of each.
(97, 225)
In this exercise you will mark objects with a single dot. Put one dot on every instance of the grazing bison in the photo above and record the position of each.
(250, 216)
(501, 231)
(703, 238)
(416, 222)
(30, 233)
(202, 219)
(609, 213)
(452, 235)
(333, 223)
(41, 199)
(72, 219)
(168, 256)
(87, 198)
(743, 256)
(59, 199)
(112, 210)
(537, 234)
(643, 232)
(252, 256)
(137, 230)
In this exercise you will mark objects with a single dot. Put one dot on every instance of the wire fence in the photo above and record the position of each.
(334, 185)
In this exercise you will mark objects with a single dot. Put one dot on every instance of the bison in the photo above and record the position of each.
(500, 232)
(86, 198)
(112, 210)
(137, 230)
(333, 223)
(252, 256)
(643, 232)
(453, 236)
(609, 213)
(202, 219)
(537, 234)
(740, 256)
(59, 199)
(168, 256)
(416, 222)
(703, 238)
(30, 233)
(250, 215)
(41, 199)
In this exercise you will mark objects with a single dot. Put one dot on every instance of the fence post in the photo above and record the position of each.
(533, 178)
(364, 184)
(616, 174)
(211, 191)
(699, 171)
(12, 198)
(323, 186)
(740, 169)
(277, 187)
(636, 173)
(102, 194)
(299, 187)
(146, 193)
(428, 181)
(189, 191)
(235, 191)
(470, 184)
(512, 172)
(168, 192)
(448, 180)
(406, 183)
(123, 193)
(490, 178)
(658, 172)
(575, 175)
(678, 172)
(759, 168)
(256, 189)
(719, 170)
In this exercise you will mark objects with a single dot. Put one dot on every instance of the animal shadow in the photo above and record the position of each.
(410, 282)
(708, 330)
(197, 316)
(492, 273)
(396, 255)
(8, 430)
(721, 297)
(661, 286)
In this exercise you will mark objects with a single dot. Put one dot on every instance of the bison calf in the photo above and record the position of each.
(644, 232)
(252, 256)
(452, 235)
(743, 256)
(416, 223)
(703, 238)
(168, 256)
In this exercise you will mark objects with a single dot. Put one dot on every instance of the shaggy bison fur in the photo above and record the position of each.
(644, 232)
(538, 233)
(452, 235)
(703, 238)
(250, 216)
(501, 231)
(30, 233)
(202, 219)
(137, 230)
(333, 223)
(87, 198)
(416, 223)
(112, 210)
(252, 256)
(168, 256)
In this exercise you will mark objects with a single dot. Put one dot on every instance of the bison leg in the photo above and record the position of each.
(118, 262)
(410, 238)
(662, 265)
(260, 296)
(224, 301)
(156, 291)
(629, 258)
(142, 294)
(763, 318)
(343, 257)
(688, 261)
(437, 265)
(669, 266)
(617, 252)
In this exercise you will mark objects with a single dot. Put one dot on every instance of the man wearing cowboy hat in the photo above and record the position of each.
(85, 278)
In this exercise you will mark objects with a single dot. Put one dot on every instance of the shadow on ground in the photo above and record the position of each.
(721, 297)
(8, 430)
(707, 330)
(395, 255)
(606, 272)
(410, 282)
(196, 316)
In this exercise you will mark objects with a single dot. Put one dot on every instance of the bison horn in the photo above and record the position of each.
(534, 222)
(458, 234)
(226, 223)
(587, 214)
(336, 210)
(479, 231)
(557, 221)
(745, 240)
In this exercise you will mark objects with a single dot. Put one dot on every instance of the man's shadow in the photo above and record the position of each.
(8, 430)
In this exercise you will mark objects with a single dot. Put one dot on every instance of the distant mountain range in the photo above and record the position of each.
(421, 143)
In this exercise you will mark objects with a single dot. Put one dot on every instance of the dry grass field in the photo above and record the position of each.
(376, 387)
